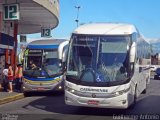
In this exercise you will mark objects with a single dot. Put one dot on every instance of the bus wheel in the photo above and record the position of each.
(26, 94)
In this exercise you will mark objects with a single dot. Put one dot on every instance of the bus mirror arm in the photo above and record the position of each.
(133, 52)
(64, 56)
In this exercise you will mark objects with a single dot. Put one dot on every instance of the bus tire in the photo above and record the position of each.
(25, 94)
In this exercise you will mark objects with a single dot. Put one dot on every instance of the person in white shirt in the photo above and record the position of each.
(5, 77)
(5, 72)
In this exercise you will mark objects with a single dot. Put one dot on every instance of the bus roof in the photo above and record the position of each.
(45, 43)
(106, 29)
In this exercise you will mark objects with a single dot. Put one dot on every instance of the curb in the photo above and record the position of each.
(11, 98)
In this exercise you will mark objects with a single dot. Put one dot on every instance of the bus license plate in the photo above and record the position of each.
(93, 102)
(40, 88)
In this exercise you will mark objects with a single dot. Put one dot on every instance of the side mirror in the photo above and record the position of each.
(64, 56)
(133, 52)
(22, 60)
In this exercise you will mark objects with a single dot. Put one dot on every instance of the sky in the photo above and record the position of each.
(144, 14)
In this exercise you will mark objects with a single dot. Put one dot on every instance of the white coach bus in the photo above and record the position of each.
(108, 66)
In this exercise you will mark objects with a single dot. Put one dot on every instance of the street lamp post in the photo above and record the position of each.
(77, 20)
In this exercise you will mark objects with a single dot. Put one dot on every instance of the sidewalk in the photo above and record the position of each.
(6, 97)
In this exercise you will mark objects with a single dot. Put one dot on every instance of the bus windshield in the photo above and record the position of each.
(98, 59)
(42, 63)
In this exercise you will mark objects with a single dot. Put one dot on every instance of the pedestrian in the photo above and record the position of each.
(10, 78)
(5, 78)
(1, 82)
(18, 76)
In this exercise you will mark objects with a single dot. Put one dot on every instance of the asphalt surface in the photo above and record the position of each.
(51, 106)
(6, 97)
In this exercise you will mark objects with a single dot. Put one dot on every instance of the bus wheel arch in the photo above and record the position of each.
(135, 94)
(145, 90)
(134, 98)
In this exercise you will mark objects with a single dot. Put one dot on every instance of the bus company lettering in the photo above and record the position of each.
(93, 90)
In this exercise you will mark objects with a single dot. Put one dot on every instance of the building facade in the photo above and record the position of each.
(33, 15)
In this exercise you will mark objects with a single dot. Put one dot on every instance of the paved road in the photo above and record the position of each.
(51, 106)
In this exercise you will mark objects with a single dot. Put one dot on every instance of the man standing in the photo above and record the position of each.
(18, 75)
(10, 78)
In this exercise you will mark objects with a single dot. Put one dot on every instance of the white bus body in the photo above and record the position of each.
(49, 57)
(108, 66)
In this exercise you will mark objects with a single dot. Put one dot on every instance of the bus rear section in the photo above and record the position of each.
(103, 67)
(43, 65)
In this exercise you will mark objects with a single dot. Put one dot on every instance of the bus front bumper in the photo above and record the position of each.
(119, 102)
(58, 86)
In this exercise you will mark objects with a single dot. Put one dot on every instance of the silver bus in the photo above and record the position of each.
(43, 65)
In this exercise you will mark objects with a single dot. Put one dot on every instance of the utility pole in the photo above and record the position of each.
(77, 20)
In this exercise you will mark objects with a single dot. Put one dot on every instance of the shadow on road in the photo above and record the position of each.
(148, 105)
(50, 93)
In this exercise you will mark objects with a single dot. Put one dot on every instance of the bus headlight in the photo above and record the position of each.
(121, 92)
(26, 82)
(60, 87)
(69, 89)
